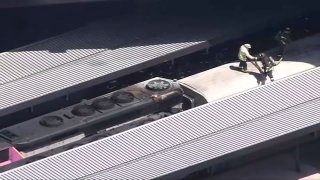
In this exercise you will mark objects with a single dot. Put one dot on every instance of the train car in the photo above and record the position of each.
(110, 114)
(8, 153)
(113, 112)
(124, 109)
(107, 115)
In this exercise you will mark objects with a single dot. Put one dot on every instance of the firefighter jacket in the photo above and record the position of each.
(268, 63)
(244, 54)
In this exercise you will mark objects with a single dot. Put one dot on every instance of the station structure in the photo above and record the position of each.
(204, 137)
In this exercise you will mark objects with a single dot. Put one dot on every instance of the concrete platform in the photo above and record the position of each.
(224, 80)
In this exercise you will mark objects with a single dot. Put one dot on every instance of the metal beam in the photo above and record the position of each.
(24, 3)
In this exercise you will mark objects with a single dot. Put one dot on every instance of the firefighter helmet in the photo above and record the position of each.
(248, 46)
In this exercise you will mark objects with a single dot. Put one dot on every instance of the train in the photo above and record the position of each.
(112, 113)
(92, 119)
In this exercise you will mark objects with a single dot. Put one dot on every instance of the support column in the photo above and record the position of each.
(315, 134)
(207, 51)
(172, 62)
(297, 158)
(176, 68)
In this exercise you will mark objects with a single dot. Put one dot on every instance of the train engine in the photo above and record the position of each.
(89, 117)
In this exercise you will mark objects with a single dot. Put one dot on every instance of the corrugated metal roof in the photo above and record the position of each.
(144, 54)
(68, 47)
(190, 137)
(88, 56)
(216, 145)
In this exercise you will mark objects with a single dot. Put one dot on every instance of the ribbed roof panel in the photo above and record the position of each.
(68, 47)
(50, 69)
(88, 69)
(217, 144)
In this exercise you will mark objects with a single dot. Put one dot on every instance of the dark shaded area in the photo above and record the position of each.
(308, 147)
(22, 26)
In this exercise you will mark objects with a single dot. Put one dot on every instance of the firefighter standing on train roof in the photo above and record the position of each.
(244, 55)
(268, 65)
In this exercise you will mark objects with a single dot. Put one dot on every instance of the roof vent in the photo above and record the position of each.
(51, 121)
(83, 110)
(122, 97)
(103, 104)
(158, 85)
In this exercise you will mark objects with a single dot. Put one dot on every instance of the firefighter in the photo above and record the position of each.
(244, 55)
(284, 37)
(267, 65)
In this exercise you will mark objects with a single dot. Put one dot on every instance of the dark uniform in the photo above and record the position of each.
(283, 38)
(268, 65)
